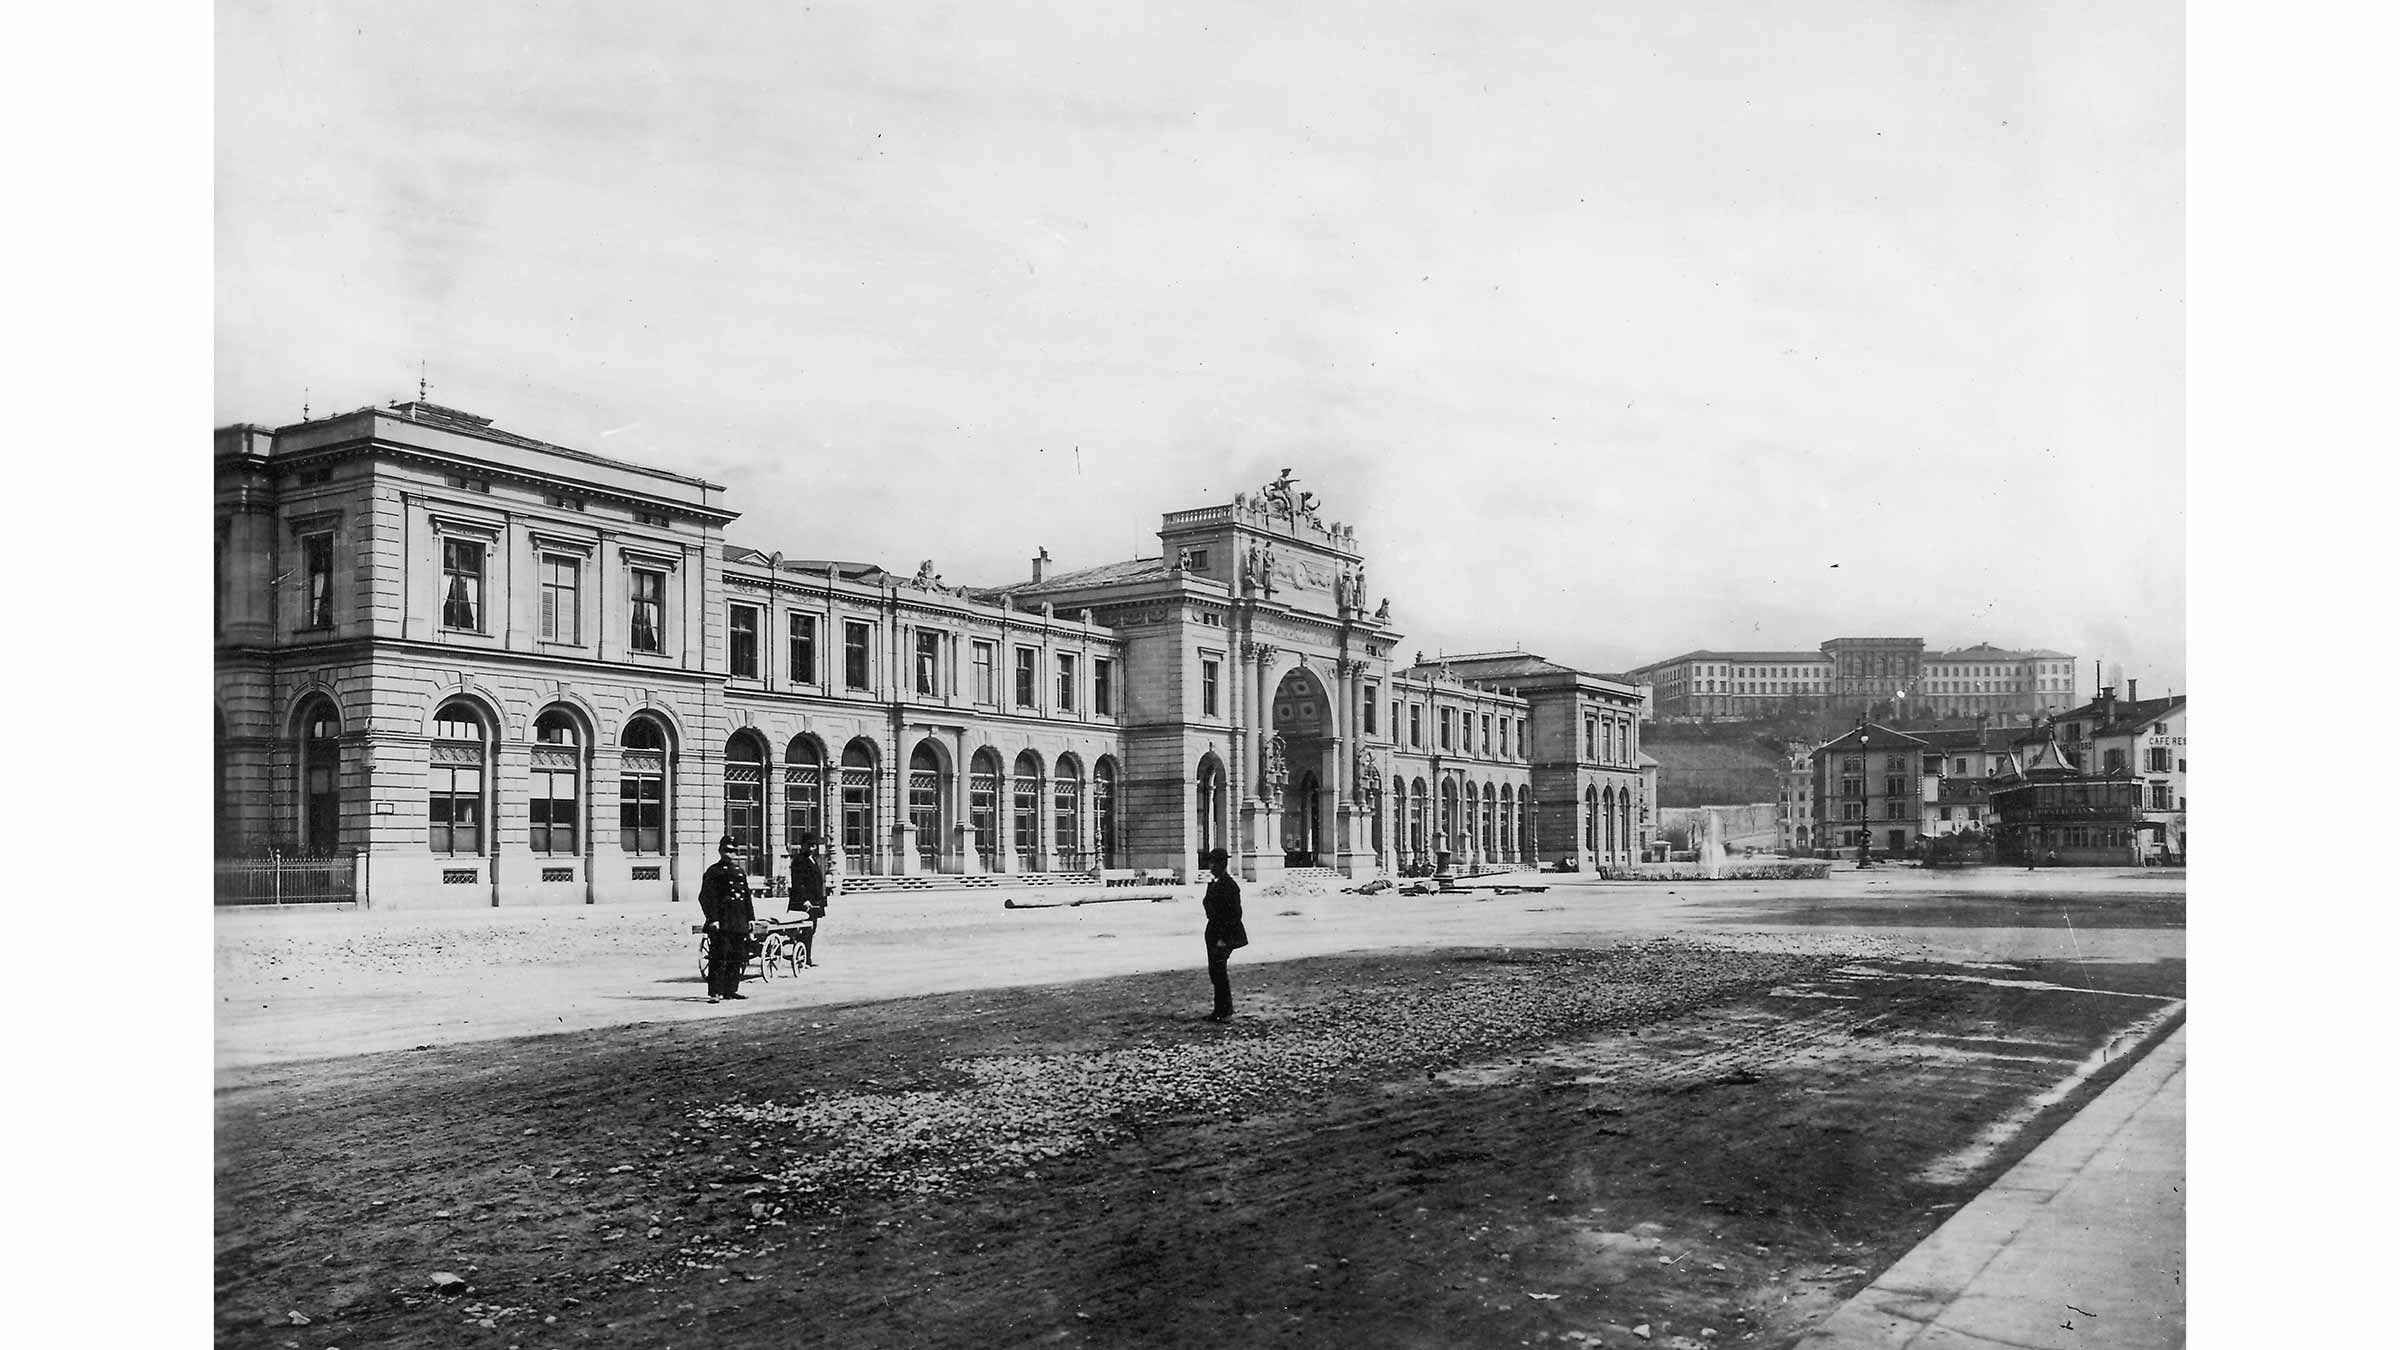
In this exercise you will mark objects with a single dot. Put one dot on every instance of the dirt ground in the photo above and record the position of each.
(1598, 1116)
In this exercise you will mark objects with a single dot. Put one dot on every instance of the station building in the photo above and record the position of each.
(491, 670)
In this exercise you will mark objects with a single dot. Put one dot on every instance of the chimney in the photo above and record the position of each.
(2108, 704)
(1041, 564)
(2133, 691)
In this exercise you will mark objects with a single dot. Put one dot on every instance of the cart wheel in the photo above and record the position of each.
(795, 955)
(705, 952)
(767, 948)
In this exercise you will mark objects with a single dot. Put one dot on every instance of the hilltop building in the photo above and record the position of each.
(1846, 677)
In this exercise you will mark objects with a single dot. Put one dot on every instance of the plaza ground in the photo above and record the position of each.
(1610, 1113)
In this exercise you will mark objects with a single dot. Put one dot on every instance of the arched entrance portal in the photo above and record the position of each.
(1303, 719)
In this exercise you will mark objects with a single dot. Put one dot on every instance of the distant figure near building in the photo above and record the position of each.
(1223, 905)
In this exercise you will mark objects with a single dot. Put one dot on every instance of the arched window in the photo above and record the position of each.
(1209, 799)
(858, 806)
(1066, 815)
(1608, 821)
(1025, 809)
(1591, 820)
(746, 800)
(803, 791)
(925, 804)
(1416, 818)
(983, 807)
(1507, 823)
(1490, 814)
(320, 778)
(454, 790)
(1104, 811)
(642, 787)
(554, 803)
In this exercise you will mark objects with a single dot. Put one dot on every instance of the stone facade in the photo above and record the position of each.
(499, 671)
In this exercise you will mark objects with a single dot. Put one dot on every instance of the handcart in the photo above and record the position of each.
(777, 946)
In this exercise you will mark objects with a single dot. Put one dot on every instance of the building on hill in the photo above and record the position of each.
(484, 669)
(1851, 677)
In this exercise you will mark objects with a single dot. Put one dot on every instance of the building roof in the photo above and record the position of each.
(1872, 736)
(1132, 569)
(2120, 715)
(1489, 667)
(471, 424)
(865, 572)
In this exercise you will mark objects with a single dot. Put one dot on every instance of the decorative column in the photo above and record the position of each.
(1349, 806)
(1261, 808)
(1004, 819)
(962, 830)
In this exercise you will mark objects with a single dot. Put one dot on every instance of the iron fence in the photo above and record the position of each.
(286, 881)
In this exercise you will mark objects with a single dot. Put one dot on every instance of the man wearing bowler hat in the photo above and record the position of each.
(1223, 905)
(726, 914)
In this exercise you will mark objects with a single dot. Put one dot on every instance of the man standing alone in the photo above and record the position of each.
(1223, 905)
(726, 914)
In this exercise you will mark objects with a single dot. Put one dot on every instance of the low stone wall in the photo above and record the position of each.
(1780, 869)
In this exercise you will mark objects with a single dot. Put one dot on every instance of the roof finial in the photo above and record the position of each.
(304, 403)
(420, 379)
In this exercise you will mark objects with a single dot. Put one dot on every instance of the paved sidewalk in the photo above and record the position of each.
(2080, 1244)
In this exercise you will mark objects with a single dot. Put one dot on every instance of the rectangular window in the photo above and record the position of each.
(858, 666)
(642, 802)
(1959, 767)
(1208, 688)
(1104, 698)
(550, 807)
(1503, 738)
(1895, 787)
(2162, 796)
(802, 634)
(462, 585)
(1854, 787)
(987, 673)
(1066, 684)
(1025, 677)
(562, 598)
(1448, 717)
(929, 664)
(1416, 725)
(649, 593)
(316, 564)
(1366, 710)
(742, 642)
(1524, 745)
(1486, 723)
(2160, 760)
(1591, 738)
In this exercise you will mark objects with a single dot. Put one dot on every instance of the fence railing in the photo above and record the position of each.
(286, 881)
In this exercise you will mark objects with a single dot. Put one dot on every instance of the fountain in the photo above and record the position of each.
(1712, 845)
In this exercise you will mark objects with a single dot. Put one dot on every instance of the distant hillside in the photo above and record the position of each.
(1721, 763)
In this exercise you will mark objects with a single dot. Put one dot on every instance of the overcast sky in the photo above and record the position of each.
(1615, 329)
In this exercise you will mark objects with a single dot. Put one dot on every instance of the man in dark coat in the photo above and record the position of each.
(725, 913)
(808, 891)
(1223, 905)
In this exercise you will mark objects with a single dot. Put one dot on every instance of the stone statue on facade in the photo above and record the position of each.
(1272, 778)
(1383, 612)
(1366, 775)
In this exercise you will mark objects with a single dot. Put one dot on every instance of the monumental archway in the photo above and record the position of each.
(1304, 732)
